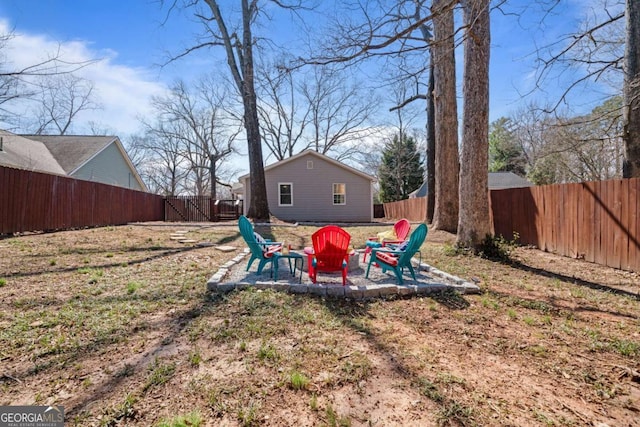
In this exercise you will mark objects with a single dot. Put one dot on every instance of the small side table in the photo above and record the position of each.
(296, 257)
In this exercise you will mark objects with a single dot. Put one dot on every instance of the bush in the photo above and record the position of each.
(497, 248)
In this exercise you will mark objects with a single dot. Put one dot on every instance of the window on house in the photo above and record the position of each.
(285, 194)
(339, 194)
(309, 164)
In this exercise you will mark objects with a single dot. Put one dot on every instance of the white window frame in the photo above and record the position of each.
(280, 184)
(344, 194)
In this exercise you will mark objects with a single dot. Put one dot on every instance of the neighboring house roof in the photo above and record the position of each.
(59, 154)
(420, 192)
(309, 152)
(71, 151)
(502, 180)
(24, 153)
(497, 181)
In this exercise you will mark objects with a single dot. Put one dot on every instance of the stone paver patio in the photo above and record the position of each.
(232, 276)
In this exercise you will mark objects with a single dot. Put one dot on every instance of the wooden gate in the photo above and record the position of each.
(201, 209)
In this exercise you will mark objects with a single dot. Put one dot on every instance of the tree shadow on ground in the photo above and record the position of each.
(175, 326)
(574, 280)
(356, 314)
(451, 299)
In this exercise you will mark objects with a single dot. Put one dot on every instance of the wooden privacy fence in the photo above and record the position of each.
(34, 201)
(412, 209)
(200, 209)
(597, 221)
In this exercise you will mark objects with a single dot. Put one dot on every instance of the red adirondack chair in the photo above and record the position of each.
(330, 252)
(401, 228)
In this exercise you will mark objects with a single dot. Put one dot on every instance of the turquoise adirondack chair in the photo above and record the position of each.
(397, 260)
(265, 251)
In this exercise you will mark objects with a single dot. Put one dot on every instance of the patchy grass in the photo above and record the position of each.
(194, 419)
(120, 330)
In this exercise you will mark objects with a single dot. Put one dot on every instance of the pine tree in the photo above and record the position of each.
(401, 171)
(504, 153)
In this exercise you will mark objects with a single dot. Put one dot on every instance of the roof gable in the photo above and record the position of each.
(314, 154)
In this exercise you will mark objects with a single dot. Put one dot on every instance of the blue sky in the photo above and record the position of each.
(132, 37)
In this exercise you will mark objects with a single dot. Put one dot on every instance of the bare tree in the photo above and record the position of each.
(604, 49)
(21, 82)
(9, 80)
(559, 148)
(99, 128)
(283, 119)
(592, 53)
(318, 109)
(195, 120)
(238, 44)
(159, 162)
(430, 146)
(338, 113)
(135, 145)
(405, 118)
(60, 99)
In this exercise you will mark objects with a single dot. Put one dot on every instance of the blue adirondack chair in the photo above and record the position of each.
(397, 260)
(265, 251)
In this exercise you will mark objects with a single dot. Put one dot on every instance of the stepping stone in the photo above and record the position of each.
(204, 244)
(181, 232)
(224, 248)
(177, 238)
(188, 241)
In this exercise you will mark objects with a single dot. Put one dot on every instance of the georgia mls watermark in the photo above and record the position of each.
(31, 416)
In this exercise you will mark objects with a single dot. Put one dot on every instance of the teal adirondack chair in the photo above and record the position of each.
(397, 260)
(266, 252)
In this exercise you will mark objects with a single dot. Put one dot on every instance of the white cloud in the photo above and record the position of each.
(122, 91)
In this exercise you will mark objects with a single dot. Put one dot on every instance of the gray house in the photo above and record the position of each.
(310, 186)
(90, 158)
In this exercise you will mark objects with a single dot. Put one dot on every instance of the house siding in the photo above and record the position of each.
(108, 167)
(313, 192)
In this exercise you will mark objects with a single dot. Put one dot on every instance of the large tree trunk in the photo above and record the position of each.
(445, 215)
(473, 224)
(631, 111)
(431, 146)
(241, 66)
(259, 206)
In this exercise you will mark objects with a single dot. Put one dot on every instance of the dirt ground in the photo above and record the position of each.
(115, 324)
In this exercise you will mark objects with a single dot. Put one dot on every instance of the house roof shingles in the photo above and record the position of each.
(497, 181)
(25, 153)
(58, 154)
(71, 152)
(502, 180)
